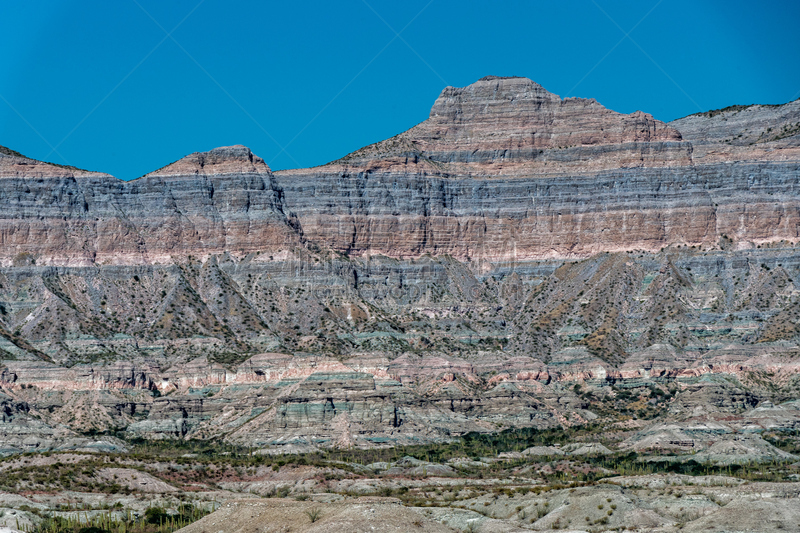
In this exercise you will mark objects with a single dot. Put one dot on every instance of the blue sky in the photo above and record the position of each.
(127, 86)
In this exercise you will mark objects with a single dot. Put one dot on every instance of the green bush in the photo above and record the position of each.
(156, 515)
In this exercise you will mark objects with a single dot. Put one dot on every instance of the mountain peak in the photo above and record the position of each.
(222, 160)
(492, 78)
(512, 126)
(488, 95)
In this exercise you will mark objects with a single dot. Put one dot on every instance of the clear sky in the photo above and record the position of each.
(127, 86)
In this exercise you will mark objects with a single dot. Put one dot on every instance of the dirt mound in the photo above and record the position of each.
(282, 515)
(135, 480)
(750, 516)
(544, 451)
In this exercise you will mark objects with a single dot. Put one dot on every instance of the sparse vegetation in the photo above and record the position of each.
(314, 514)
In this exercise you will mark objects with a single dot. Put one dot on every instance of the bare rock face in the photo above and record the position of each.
(236, 159)
(15, 165)
(756, 132)
(464, 275)
(500, 127)
(503, 169)
(213, 202)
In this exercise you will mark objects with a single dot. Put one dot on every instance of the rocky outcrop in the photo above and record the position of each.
(220, 161)
(513, 127)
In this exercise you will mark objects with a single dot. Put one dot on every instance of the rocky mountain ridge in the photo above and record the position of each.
(509, 127)
(501, 169)
(465, 275)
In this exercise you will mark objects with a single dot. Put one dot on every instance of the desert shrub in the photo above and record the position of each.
(156, 515)
(314, 514)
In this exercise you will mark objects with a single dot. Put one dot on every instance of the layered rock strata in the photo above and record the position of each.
(506, 170)
(209, 203)
(501, 169)
(462, 276)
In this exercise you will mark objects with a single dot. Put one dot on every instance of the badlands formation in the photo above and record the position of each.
(517, 262)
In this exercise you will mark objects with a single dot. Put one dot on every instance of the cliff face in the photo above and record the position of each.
(407, 215)
(207, 203)
(513, 127)
(502, 169)
(754, 132)
(463, 275)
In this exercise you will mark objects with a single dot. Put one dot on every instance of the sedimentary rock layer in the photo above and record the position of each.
(218, 201)
(501, 169)
(464, 275)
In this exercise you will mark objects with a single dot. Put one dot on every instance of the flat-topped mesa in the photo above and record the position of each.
(235, 159)
(514, 127)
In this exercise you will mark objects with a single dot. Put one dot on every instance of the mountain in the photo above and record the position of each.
(482, 270)
(503, 169)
